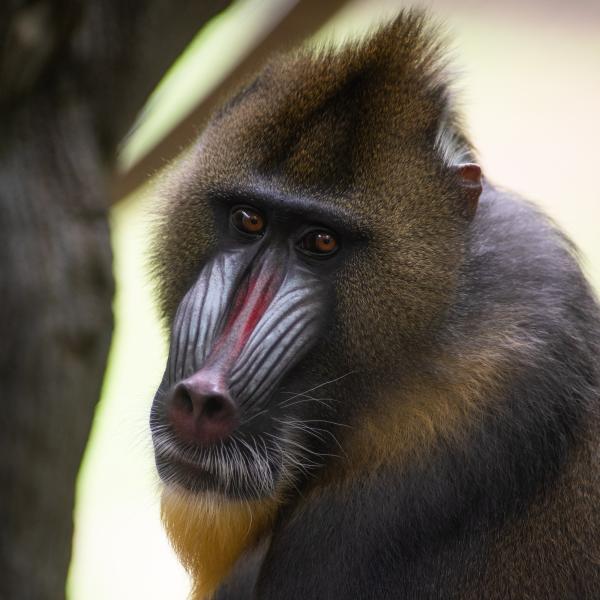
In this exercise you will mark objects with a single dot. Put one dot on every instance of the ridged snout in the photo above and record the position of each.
(238, 330)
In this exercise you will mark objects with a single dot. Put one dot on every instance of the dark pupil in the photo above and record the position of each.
(325, 240)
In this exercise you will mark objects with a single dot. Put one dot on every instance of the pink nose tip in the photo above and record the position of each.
(201, 409)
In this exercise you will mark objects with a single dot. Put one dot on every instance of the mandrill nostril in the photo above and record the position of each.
(215, 406)
(182, 399)
(201, 411)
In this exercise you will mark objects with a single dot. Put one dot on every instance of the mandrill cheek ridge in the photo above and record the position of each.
(200, 315)
(255, 375)
(289, 308)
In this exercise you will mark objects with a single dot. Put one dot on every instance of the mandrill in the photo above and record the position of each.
(383, 379)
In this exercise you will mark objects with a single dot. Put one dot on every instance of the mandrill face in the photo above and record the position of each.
(310, 245)
(230, 415)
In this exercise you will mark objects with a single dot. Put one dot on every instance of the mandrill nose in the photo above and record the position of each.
(201, 409)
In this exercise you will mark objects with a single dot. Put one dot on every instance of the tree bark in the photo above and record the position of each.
(73, 75)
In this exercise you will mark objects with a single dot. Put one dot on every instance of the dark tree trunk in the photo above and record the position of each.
(73, 75)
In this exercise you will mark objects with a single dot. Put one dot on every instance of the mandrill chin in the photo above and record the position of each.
(383, 379)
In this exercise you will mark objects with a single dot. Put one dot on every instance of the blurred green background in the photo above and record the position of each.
(529, 81)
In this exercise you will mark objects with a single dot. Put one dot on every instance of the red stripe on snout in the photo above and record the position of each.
(257, 310)
(250, 304)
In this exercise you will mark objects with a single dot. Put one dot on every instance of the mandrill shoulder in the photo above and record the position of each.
(523, 292)
(557, 538)
(548, 550)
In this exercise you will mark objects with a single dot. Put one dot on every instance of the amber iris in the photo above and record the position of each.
(319, 242)
(248, 220)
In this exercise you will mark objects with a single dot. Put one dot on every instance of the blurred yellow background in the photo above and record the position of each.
(529, 77)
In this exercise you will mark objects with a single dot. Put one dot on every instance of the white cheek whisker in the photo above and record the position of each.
(316, 387)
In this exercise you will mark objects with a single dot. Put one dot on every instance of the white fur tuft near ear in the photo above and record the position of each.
(451, 146)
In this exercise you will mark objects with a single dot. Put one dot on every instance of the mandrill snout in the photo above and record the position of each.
(201, 409)
(237, 332)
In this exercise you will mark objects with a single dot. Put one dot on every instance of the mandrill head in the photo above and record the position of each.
(310, 247)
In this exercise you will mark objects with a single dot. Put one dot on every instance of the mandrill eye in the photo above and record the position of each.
(320, 243)
(247, 220)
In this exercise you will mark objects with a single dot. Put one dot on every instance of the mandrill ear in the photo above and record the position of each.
(470, 181)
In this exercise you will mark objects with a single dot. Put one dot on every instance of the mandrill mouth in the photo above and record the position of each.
(264, 455)
(241, 466)
(261, 457)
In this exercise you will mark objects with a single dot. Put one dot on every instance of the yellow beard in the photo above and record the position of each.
(209, 534)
